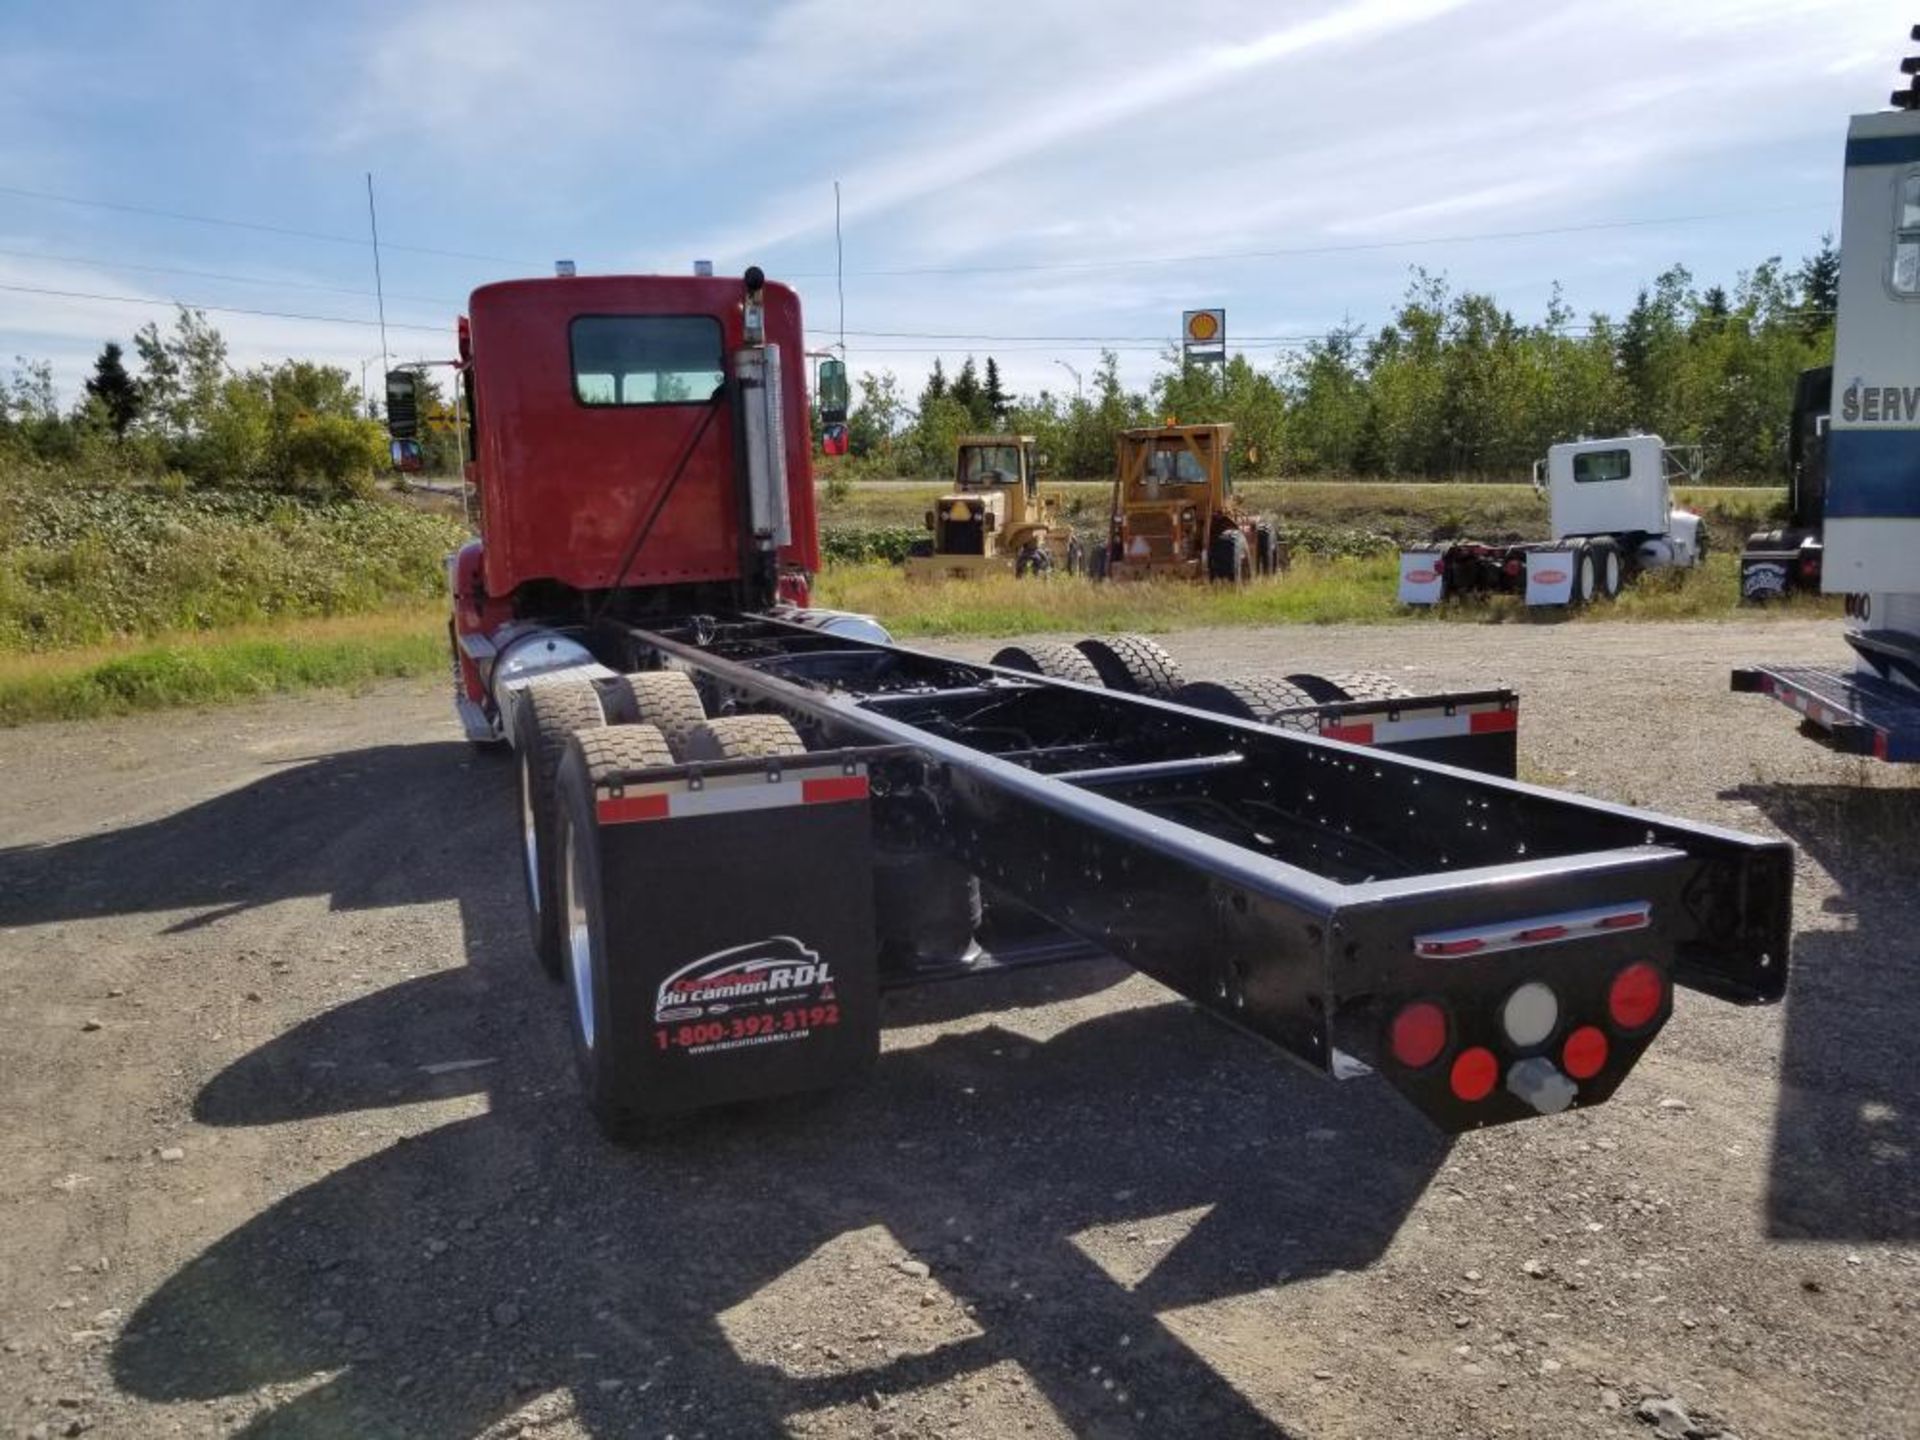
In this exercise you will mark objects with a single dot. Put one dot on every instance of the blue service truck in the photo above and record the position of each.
(1872, 502)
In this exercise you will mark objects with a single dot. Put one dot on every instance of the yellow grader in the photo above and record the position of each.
(996, 521)
(1174, 514)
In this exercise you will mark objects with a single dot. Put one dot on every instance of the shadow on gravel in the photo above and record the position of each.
(437, 1287)
(388, 825)
(1846, 1150)
(982, 1154)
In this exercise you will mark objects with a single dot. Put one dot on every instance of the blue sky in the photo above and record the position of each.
(1018, 160)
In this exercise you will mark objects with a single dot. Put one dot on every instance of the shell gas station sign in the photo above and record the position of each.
(1203, 336)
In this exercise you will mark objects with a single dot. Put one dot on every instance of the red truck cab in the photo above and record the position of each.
(596, 399)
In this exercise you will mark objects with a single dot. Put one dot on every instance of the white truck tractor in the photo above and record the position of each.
(1610, 505)
(1872, 501)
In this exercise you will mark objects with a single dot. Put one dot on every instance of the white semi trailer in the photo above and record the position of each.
(1611, 509)
(1873, 453)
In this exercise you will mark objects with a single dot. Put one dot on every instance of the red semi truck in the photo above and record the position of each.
(743, 818)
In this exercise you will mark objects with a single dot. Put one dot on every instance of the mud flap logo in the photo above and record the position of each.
(766, 974)
(1763, 580)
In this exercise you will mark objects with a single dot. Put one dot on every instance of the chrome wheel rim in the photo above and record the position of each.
(579, 937)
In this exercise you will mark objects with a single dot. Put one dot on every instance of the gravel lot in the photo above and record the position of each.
(289, 1143)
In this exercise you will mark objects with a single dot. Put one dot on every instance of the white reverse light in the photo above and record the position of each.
(1530, 1014)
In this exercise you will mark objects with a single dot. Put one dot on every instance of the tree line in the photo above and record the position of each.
(1453, 386)
(186, 412)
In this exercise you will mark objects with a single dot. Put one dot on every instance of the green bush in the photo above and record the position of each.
(84, 562)
(856, 545)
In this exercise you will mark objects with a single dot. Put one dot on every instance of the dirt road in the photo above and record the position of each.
(289, 1144)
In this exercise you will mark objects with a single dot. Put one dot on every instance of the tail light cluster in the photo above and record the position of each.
(1533, 1029)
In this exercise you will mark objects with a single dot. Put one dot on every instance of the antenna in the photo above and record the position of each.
(839, 270)
(379, 291)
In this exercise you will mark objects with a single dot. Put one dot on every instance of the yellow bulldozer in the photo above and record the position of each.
(995, 521)
(1174, 514)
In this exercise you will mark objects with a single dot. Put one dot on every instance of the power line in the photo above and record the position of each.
(445, 330)
(251, 225)
(222, 275)
(1300, 250)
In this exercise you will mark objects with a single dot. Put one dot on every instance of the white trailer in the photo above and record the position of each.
(1611, 510)
(1873, 453)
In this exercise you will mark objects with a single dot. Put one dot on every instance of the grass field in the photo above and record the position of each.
(233, 664)
(1403, 512)
(1348, 590)
(216, 602)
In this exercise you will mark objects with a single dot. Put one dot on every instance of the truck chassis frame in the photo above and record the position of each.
(1303, 889)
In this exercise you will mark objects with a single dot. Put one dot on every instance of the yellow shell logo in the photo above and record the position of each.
(1205, 325)
(959, 510)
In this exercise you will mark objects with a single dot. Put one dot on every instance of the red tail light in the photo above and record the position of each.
(1636, 995)
(1418, 1034)
(1474, 1073)
(1585, 1053)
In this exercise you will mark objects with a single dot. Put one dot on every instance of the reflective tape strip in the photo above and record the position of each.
(1421, 725)
(1541, 930)
(728, 795)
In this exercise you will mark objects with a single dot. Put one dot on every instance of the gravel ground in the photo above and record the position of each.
(289, 1142)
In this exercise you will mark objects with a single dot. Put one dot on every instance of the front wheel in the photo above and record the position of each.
(1034, 561)
(1227, 559)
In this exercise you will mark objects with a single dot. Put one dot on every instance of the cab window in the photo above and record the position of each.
(1592, 465)
(1175, 464)
(1906, 237)
(990, 465)
(622, 360)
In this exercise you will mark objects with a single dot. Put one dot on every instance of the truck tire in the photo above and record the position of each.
(664, 699)
(1227, 558)
(742, 737)
(547, 716)
(1097, 562)
(1257, 697)
(1323, 689)
(1132, 664)
(1266, 550)
(1584, 571)
(1369, 685)
(1036, 561)
(1076, 556)
(1609, 570)
(590, 758)
(1056, 662)
(920, 550)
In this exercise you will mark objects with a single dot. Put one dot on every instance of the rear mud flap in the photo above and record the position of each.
(741, 952)
(1550, 577)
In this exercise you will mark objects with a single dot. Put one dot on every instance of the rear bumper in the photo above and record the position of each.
(1854, 712)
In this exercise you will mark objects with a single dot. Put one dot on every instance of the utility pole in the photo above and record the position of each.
(839, 271)
(379, 290)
